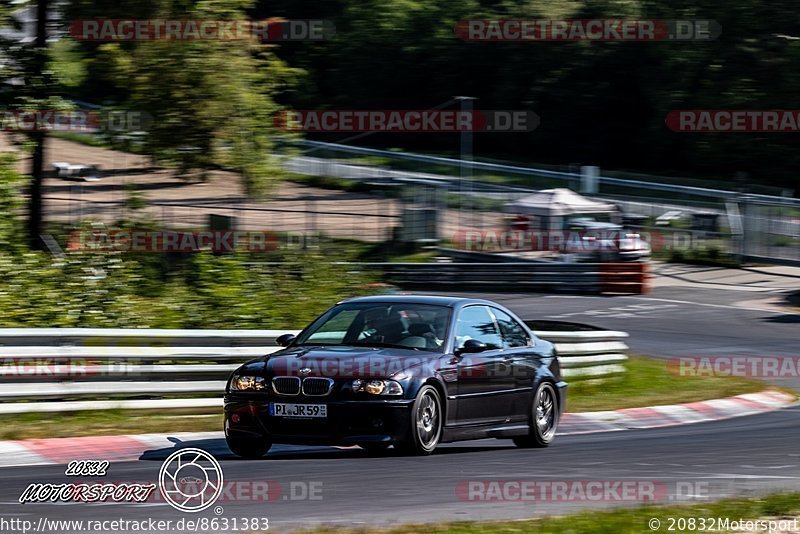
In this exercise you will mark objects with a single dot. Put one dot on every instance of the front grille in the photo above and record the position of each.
(317, 387)
(286, 385)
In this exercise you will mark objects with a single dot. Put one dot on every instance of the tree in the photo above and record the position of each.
(39, 92)
(211, 101)
(26, 74)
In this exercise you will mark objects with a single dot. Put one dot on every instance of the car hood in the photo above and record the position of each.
(344, 362)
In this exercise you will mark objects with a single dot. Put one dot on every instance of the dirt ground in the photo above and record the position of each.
(179, 203)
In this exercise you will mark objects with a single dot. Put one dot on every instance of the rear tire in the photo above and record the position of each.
(543, 419)
(426, 424)
(250, 448)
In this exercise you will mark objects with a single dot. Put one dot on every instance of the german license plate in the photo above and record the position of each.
(280, 409)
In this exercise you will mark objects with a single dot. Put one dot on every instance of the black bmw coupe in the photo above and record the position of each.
(407, 371)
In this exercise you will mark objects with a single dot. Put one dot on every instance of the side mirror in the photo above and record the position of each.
(285, 340)
(471, 346)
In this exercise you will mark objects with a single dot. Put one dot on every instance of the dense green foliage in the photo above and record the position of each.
(285, 290)
(599, 103)
(602, 103)
(10, 203)
(201, 291)
(210, 103)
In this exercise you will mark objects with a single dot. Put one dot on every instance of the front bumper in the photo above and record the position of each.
(561, 388)
(347, 423)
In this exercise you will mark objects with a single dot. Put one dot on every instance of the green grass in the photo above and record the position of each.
(713, 254)
(648, 382)
(618, 521)
(107, 422)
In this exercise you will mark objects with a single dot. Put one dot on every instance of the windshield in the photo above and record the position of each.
(375, 324)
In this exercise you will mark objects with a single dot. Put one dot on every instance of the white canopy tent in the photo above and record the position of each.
(558, 203)
(549, 208)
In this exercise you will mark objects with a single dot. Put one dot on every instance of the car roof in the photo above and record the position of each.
(436, 300)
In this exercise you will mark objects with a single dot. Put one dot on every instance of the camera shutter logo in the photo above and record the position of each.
(190, 480)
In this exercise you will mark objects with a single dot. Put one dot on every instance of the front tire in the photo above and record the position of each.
(426, 424)
(544, 418)
(248, 447)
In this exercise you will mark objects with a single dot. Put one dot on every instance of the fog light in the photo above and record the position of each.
(357, 385)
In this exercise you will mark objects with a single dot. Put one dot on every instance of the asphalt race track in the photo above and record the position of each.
(735, 457)
(674, 322)
(741, 456)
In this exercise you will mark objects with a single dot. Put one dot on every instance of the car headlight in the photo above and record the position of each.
(248, 383)
(377, 387)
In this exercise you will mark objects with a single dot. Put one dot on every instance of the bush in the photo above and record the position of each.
(198, 291)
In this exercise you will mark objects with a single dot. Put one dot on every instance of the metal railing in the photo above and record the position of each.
(768, 229)
(73, 369)
(547, 276)
(568, 178)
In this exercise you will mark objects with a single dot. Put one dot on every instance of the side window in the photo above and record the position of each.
(475, 322)
(513, 333)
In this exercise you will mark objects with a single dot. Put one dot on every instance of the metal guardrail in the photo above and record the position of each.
(589, 354)
(568, 177)
(597, 278)
(97, 369)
